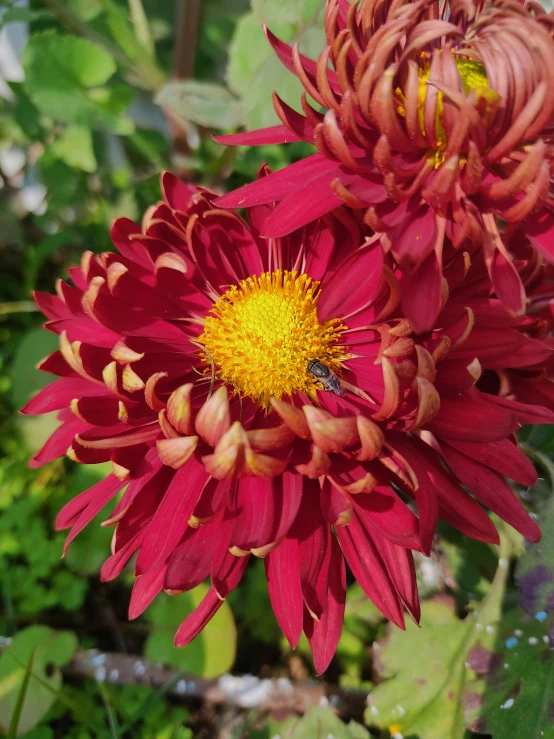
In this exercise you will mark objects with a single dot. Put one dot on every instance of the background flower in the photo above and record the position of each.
(437, 125)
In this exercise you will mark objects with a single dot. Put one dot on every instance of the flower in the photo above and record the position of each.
(438, 123)
(257, 397)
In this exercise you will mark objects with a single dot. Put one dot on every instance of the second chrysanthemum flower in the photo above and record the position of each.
(189, 361)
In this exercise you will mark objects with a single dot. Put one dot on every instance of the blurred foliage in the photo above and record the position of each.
(317, 723)
(211, 654)
(44, 651)
(87, 123)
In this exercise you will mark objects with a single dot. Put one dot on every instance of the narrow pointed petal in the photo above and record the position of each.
(171, 518)
(492, 490)
(324, 635)
(370, 571)
(145, 589)
(282, 567)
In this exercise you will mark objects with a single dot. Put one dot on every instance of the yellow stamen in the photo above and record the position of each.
(473, 77)
(263, 333)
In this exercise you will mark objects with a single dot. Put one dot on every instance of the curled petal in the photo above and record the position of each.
(179, 409)
(392, 396)
(214, 418)
(228, 458)
(293, 417)
(329, 433)
(272, 438)
(371, 437)
(263, 465)
(428, 403)
(175, 452)
(319, 464)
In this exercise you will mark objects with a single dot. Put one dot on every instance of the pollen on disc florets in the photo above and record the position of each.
(262, 333)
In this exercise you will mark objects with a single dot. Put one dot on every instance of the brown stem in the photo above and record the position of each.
(188, 25)
(246, 692)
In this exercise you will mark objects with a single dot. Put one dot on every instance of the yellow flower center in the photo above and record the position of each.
(262, 334)
(473, 78)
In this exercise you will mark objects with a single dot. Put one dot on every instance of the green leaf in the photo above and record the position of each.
(26, 114)
(251, 605)
(203, 103)
(122, 31)
(515, 695)
(138, 50)
(320, 723)
(51, 651)
(64, 76)
(426, 669)
(212, 652)
(74, 147)
(37, 255)
(535, 570)
(44, 732)
(65, 185)
(87, 10)
(36, 430)
(143, 32)
(26, 379)
(18, 708)
(270, 75)
(25, 15)
(59, 61)
(88, 551)
(276, 14)
(311, 8)
(248, 49)
(253, 67)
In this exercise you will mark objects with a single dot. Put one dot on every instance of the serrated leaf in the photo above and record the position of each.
(427, 668)
(209, 655)
(51, 650)
(203, 103)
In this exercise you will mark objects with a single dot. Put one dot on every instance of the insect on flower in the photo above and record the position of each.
(326, 376)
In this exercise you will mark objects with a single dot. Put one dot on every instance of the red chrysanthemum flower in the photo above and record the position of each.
(439, 122)
(268, 397)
